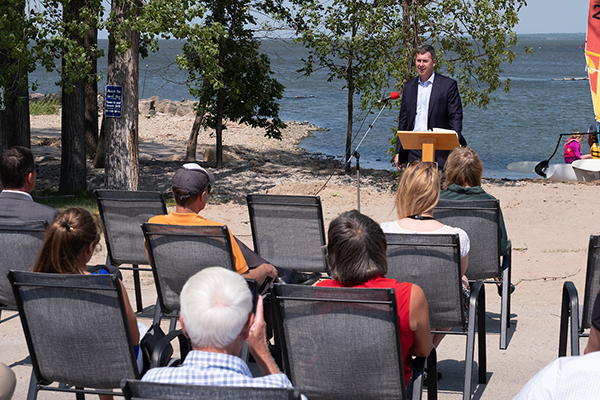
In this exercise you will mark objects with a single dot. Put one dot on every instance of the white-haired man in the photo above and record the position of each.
(216, 314)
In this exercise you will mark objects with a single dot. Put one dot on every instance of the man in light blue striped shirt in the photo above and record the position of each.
(216, 314)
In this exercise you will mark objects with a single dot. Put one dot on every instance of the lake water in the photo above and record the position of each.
(522, 125)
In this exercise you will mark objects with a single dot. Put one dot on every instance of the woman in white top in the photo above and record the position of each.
(417, 195)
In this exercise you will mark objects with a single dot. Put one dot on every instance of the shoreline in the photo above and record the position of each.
(252, 162)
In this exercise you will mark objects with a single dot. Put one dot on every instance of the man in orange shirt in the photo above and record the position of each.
(191, 186)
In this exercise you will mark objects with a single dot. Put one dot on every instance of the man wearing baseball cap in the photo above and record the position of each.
(191, 186)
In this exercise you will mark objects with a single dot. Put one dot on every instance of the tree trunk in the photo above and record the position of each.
(91, 99)
(121, 161)
(190, 154)
(219, 128)
(72, 163)
(14, 118)
(350, 115)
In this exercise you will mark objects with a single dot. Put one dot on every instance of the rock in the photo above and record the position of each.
(166, 107)
(145, 157)
(211, 156)
(176, 157)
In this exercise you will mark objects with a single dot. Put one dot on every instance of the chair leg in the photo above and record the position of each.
(33, 387)
(138, 288)
(79, 395)
(474, 315)
(156, 319)
(432, 383)
(505, 308)
(173, 324)
(481, 332)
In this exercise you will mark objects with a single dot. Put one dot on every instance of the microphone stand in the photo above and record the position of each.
(356, 155)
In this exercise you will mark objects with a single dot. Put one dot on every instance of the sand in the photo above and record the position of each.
(548, 223)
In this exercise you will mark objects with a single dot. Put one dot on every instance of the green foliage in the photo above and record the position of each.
(48, 106)
(230, 65)
(368, 43)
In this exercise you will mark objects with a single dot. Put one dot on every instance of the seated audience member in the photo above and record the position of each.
(18, 173)
(463, 172)
(68, 246)
(593, 343)
(417, 195)
(356, 256)
(216, 315)
(8, 382)
(566, 378)
(191, 185)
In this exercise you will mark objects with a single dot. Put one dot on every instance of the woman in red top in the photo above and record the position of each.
(356, 256)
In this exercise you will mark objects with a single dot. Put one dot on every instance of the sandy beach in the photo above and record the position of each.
(548, 223)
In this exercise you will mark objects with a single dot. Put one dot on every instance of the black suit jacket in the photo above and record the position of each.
(16, 207)
(445, 111)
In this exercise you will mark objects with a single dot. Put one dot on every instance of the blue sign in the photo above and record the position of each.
(114, 101)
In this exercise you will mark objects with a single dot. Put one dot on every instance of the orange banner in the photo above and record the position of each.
(592, 53)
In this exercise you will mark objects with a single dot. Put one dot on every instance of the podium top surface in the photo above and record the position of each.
(414, 140)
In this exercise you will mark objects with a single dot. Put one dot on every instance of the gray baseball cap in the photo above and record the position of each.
(193, 178)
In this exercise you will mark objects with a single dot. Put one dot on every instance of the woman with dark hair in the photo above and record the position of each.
(356, 256)
(68, 246)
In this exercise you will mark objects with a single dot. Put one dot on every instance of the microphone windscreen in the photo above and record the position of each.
(394, 95)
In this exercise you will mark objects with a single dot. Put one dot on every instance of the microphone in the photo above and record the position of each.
(392, 96)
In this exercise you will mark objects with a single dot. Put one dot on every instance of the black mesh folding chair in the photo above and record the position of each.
(480, 219)
(138, 390)
(179, 251)
(432, 261)
(76, 331)
(122, 212)
(288, 231)
(342, 343)
(20, 245)
(571, 321)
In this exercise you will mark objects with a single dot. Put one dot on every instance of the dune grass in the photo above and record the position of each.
(48, 106)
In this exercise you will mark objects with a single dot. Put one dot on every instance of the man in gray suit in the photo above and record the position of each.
(18, 173)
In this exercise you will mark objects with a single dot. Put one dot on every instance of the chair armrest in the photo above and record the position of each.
(157, 355)
(569, 310)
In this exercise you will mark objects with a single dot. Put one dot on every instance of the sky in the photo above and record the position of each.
(542, 16)
(553, 16)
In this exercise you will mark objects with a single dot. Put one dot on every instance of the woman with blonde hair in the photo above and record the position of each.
(417, 196)
(68, 246)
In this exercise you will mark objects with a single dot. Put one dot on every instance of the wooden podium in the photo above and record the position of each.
(428, 142)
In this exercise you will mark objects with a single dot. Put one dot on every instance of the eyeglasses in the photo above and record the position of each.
(208, 189)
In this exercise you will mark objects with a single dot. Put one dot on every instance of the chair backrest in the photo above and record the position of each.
(340, 343)
(179, 251)
(431, 261)
(76, 328)
(20, 245)
(122, 212)
(480, 219)
(288, 231)
(592, 281)
(138, 390)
